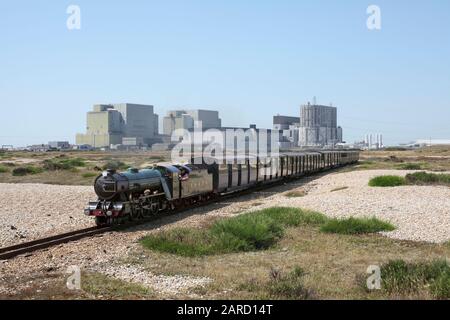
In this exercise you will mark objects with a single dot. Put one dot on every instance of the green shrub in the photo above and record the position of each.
(424, 178)
(367, 164)
(410, 166)
(63, 164)
(51, 165)
(23, 171)
(248, 232)
(3, 169)
(74, 162)
(400, 277)
(416, 178)
(387, 181)
(115, 165)
(356, 226)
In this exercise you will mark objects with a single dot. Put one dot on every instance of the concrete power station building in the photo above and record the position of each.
(186, 119)
(318, 126)
(115, 124)
(288, 130)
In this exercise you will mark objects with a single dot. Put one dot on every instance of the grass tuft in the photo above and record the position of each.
(417, 178)
(410, 166)
(400, 277)
(248, 232)
(356, 226)
(280, 286)
(3, 169)
(387, 181)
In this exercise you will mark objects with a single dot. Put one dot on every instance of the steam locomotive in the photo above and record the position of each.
(137, 194)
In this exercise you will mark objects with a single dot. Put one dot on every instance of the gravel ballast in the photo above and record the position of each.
(32, 211)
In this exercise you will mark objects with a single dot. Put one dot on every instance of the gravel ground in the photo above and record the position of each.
(420, 213)
(170, 285)
(31, 211)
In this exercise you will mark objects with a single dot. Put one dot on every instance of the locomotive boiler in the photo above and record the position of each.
(114, 186)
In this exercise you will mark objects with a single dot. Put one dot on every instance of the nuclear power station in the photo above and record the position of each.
(127, 125)
(316, 127)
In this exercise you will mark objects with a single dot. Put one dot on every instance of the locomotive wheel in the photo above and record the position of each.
(135, 213)
(146, 213)
(151, 209)
(100, 221)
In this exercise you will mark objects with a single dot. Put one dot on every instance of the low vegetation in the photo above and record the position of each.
(283, 286)
(4, 154)
(417, 178)
(356, 226)
(424, 178)
(395, 149)
(63, 164)
(23, 171)
(253, 231)
(8, 164)
(3, 169)
(411, 166)
(389, 163)
(404, 278)
(387, 181)
(99, 284)
(89, 175)
(248, 232)
(115, 165)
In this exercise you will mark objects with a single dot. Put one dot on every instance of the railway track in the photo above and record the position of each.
(44, 243)
(28, 247)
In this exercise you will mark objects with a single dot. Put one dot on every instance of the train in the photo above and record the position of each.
(142, 193)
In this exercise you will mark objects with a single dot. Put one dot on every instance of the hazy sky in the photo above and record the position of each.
(249, 59)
